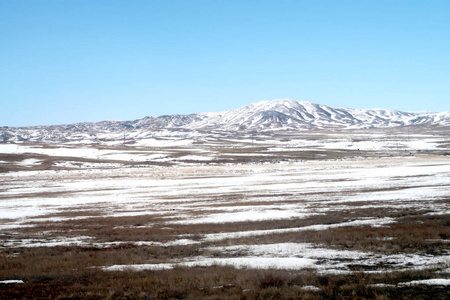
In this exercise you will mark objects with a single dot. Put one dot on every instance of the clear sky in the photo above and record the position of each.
(67, 61)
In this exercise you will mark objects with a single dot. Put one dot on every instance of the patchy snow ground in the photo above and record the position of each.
(296, 256)
(208, 194)
(307, 188)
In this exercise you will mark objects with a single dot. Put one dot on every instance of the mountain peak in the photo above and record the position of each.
(288, 114)
(285, 102)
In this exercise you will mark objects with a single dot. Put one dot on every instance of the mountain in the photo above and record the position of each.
(275, 115)
(291, 114)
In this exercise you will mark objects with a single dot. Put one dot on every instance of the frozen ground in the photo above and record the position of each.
(262, 203)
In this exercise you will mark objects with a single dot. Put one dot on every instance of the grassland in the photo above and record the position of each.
(320, 216)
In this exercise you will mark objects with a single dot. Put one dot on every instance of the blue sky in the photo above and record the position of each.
(72, 61)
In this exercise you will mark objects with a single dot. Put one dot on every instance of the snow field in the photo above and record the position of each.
(312, 187)
(186, 196)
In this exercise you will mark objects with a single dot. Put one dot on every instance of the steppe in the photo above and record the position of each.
(361, 214)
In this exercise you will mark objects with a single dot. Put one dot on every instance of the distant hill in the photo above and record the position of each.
(264, 116)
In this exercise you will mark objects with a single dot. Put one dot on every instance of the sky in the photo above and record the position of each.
(73, 61)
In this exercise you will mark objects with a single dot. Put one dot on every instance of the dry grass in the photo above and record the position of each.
(71, 273)
(414, 234)
(220, 283)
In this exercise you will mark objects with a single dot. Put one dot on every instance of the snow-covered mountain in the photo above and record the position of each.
(291, 114)
(275, 115)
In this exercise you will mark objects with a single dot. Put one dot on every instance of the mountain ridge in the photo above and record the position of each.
(263, 116)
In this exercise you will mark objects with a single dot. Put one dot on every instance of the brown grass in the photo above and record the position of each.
(71, 273)
(414, 234)
(220, 283)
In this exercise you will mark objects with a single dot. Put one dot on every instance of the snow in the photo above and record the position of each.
(12, 281)
(78, 152)
(86, 165)
(58, 151)
(382, 285)
(436, 281)
(238, 262)
(196, 157)
(33, 243)
(244, 216)
(163, 142)
(304, 250)
(30, 162)
(241, 234)
(294, 256)
(87, 241)
(310, 288)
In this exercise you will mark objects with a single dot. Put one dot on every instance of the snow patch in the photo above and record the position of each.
(436, 281)
(11, 281)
